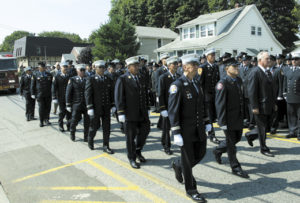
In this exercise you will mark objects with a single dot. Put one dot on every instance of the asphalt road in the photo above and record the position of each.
(44, 165)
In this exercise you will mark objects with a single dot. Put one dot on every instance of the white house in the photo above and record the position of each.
(297, 50)
(151, 38)
(233, 31)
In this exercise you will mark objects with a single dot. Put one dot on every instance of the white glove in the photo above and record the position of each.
(285, 98)
(279, 98)
(178, 140)
(224, 127)
(164, 113)
(113, 109)
(157, 99)
(208, 127)
(33, 96)
(55, 101)
(91, 112)
(69, 109)
(121, 118)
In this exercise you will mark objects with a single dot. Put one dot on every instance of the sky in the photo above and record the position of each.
(35, 16)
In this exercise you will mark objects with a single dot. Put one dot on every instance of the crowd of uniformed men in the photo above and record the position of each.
(191, 93)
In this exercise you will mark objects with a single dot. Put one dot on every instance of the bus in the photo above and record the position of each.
(9, 79)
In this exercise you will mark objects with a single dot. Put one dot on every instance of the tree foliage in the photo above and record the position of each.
(85, 56)
(71, 36)
(115, 39)
(8, 43)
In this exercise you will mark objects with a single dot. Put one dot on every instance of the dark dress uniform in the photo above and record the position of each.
(165, 81)
(59, 88)
(292, 94)
(210, 77)
(276, 73)
(229, 104)
(244, 72)
(72, 72)
(75, 99)
(188, 116)
(25, 83)
(99, 96)
(41, 84)
(262, 97)
(89, 73)
(163, 69)
(131, 100)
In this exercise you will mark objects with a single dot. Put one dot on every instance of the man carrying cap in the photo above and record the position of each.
(165, 81)
(59, 88)
(99, 96)
(209, 77)
(229, 104)
(76, 103)
(41, 84)
(25, 83)
(292, 95)
(189, 120)
(132, 102)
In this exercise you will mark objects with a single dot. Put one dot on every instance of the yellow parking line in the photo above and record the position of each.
(94, 188)
(55, 169)
(286, 140)
(148, 176)
(124, 181)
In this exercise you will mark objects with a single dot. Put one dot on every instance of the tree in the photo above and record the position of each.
(8, 43)
(218, 5)
(115, 39)
(85, 56)
(71, 36)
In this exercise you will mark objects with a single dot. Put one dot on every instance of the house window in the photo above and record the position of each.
(185, 33)
(234, 52)
(203, 31)
(210, 30)
(38, 50)
(197, 31)
(190, 52)
(259, 31)
(159, 43)
(199, 52)
(253, 30)
(192, 32)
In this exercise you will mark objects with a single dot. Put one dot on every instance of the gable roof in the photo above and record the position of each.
(205, 42)
(210, 17)
(154, 32)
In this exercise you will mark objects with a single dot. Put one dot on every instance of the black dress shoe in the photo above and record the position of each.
(28, 119)
(168, 151)
(239, 172)
(108, 150)
(133, 164)
(267, 153)
(141, 158)
(178, 172)
(215, 140)
(61, 129)
(291, 136)
(251, 127)
(217, 156)
(47, 122)
(250, 142)
(72, 136)
(41, 124)
(32, 118)
(196, 197)
(91, 144)
(273, 131)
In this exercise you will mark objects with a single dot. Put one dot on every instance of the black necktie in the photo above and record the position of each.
(269, 74)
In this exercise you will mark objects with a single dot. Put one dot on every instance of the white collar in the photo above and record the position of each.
(262, 68)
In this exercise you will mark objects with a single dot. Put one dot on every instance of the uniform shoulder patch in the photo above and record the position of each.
(173, 89)
(220, 86)
(200, 71)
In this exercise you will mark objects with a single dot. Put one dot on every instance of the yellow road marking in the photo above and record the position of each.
(148, 176)
(124, 181)
(94, 188)
(154, 114)
(286, 140)
(55, 169)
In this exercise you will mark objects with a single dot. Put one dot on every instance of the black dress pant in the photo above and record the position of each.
(212, 115)
(165, 138)
(248, 112)
(30, 106)
(228, 145)
(191, 154)
(44, 108)
(263, 126)
(77, 111)
(293, 112)
(136, 135)
(95, 123)
(63, 113)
